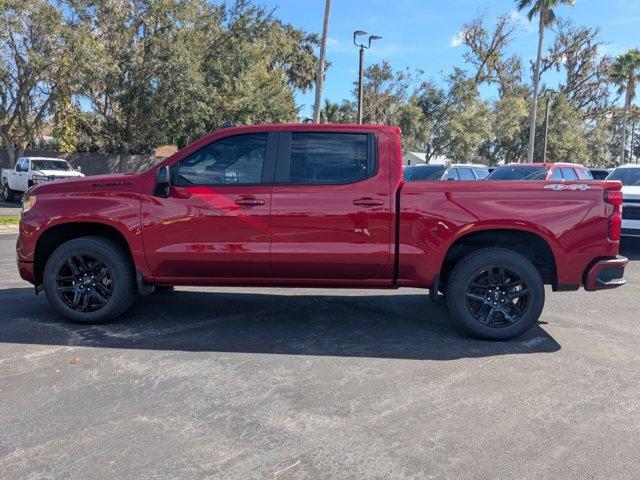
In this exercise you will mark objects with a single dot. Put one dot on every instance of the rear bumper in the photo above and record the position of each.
(605, 274)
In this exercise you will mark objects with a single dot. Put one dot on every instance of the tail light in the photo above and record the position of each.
(614, 198)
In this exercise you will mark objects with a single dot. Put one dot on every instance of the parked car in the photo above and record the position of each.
(541, 171)
(316, 206)
(629, 175)
(599, 173)
(456, 171)
(30, 171)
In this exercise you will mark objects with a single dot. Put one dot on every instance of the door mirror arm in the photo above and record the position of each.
(163, 182)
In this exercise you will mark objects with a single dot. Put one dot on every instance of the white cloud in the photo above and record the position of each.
(456, 41)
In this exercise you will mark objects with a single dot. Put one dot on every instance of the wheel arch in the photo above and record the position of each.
(529, 244)
(56, 235)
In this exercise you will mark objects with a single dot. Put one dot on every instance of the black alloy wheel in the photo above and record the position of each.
(496, 297)
(84, 283)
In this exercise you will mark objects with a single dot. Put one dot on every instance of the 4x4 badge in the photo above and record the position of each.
(573, 186)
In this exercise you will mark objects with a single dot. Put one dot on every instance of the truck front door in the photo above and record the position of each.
(215, 222)
(332, 210)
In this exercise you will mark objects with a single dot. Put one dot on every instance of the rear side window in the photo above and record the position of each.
(465, 174)
(234, 160)
(331, 158)
(481, 173)
(569, 173)
(584, 174)
(452, 174)
(557, 174)
(423, 172)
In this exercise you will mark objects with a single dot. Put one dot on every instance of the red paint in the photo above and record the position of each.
(321, 235)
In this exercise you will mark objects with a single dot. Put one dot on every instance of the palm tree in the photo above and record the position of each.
(544, 10)
(625, 73)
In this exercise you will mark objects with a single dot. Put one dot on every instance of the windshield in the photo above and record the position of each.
(519, 173)
(628, 176)
(49, 165)
(423, 172)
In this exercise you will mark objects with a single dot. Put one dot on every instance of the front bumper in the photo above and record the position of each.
(605, 274)
(27, 272)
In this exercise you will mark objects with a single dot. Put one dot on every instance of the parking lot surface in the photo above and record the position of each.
(327, 384)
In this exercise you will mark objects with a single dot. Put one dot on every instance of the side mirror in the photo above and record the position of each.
(163, 182)
(78, 168)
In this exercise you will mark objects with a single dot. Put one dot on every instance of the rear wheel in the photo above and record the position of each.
(89, 280)
(495, 294)
(8, 194)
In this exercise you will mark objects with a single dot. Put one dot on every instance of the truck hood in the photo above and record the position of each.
(59, 173)
(80, 183)
(631, 192)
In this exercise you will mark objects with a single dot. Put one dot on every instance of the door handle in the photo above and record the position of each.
(368, 202)
(249, 201)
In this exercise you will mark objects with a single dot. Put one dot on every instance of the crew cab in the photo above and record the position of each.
(541, 171)
(629, 175)
(317, 206)
(30, 171)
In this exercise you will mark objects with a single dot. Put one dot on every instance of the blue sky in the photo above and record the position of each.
(420, 34)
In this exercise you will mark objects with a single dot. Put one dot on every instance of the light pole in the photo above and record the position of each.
(362, 47)
(548, 94)
(321, 62)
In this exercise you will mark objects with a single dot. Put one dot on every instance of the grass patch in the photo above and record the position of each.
(9, 220)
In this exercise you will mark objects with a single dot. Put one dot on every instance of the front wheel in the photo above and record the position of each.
(90, 280)
(8, 194)
(495, 294)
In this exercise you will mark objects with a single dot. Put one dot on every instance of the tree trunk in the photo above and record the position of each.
(9, 148)
(123, 162)
(625, 124)
(536, 83)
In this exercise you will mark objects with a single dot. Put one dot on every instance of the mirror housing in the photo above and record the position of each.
(163, 182)
(78, 168)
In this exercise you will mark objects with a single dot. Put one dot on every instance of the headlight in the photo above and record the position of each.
(36, 179)
(28, 202)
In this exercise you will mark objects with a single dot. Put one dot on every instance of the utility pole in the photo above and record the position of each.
(361, 67)
(546, 130)
(321, 63)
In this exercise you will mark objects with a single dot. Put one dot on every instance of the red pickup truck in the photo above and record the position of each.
(317, 206)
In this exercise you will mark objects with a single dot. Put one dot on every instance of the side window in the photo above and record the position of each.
(557, 174)
(330, 158)
(452, 174)
(584, 174)
(481, 173)
(466, 174)
(569, 173)
(234, 160)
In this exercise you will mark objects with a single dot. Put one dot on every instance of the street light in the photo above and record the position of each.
(548, 93)
(362, 47)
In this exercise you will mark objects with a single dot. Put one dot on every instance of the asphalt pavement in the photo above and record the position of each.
(9, 209)
(322, 384)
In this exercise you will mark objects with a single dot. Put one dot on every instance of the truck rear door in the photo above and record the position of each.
(332, 209)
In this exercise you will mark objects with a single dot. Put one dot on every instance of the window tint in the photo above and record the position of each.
(326, 158)
(557, 174)
(452, 174)
(481, 173)
(424, 172)
(509, 172)
(466, 174)
(569, 173)
(628, 176)
(229, 161)
(584, 174)
(50, 165)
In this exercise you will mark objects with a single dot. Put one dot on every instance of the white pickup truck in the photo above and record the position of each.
(31, 171)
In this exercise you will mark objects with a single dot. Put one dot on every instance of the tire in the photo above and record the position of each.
(495, 294)
(8, 194)
(99, 270)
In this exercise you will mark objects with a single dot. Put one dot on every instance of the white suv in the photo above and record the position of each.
(629, 175)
